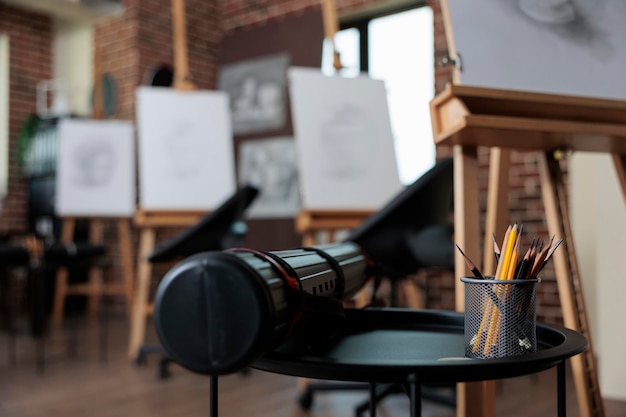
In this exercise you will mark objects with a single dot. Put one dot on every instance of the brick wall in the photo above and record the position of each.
(30, 62)
(141, 39)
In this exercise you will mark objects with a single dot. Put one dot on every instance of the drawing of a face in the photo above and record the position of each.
(549, 11)
(573, 20)
(94, 163)
(347, 139)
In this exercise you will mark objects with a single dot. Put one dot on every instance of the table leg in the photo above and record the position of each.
(415, 394)
(213, 396)
(560, 381)
(372, 399)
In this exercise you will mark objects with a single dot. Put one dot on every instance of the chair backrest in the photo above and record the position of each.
(421, 211)
(211, 232)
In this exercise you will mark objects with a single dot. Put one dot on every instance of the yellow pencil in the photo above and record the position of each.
(484, 322)
(509, 245)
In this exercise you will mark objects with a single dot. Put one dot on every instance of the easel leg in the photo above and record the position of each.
(96, 284)
(474, 399)
(570, 285)
(125, 247)
(140, 303)
(60, 292)
(497, 204)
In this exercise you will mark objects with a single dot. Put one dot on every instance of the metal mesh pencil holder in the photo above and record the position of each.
(500, 317)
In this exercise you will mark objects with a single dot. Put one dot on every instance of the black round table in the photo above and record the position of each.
(413, 347)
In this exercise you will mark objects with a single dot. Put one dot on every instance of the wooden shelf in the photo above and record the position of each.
(472, 116)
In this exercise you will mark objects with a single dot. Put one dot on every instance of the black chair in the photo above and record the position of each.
(12, 257)
(77, 257)
(221, 229)
(414, 231)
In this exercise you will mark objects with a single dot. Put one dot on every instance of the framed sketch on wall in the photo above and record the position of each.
(95, 168)
(270, 164)
(185, 145)
(573, 47)
(344, 141)
(258, 93)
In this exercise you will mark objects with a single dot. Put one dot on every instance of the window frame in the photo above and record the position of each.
(361, 24)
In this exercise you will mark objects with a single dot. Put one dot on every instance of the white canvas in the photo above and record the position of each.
(95, 168)
(344, 141)
(271, 166)
(556, 46)
(186, 158)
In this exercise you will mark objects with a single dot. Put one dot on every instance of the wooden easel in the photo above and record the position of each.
(310, 223)
(95, 288)
(148, 221)
(468, 117)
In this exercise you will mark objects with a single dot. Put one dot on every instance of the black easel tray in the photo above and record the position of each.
(397, 345)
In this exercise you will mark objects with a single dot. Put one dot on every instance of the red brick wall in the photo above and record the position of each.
(30, 62)
(141, 39)
(117, 39)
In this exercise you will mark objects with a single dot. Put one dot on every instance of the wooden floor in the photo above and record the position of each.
(84, 384)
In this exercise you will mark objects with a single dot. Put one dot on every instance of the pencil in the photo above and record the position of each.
(541, 256)
(500, 263)
(496, 248)
(549, 255)
(484, 322)
(508, 253)
(471, 264)
(513, 262)
(503, 271)
(522, 269)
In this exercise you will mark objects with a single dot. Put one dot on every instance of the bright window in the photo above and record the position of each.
(399, 49)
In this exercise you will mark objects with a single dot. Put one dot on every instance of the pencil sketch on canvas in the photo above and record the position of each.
(186, 156)
(270, 165)
(258, 93)
(345, 128)
(344, 141)
(95, 168)
(556, 46)
(93, 163)
(577, 21)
